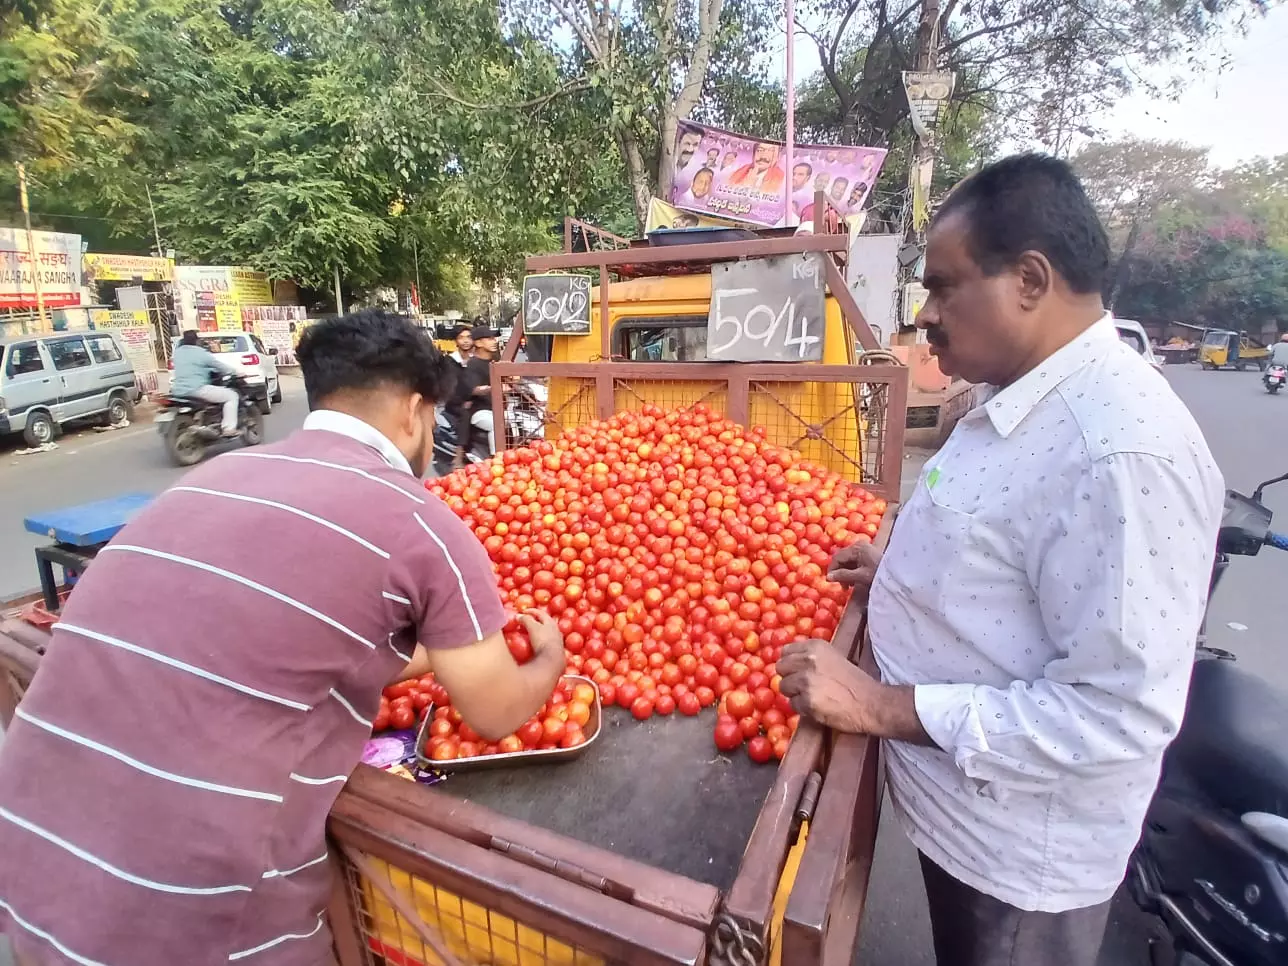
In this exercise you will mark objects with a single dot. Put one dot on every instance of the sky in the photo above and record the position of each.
(1237, 112)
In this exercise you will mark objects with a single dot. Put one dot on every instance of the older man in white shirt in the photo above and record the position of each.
(1034, 617)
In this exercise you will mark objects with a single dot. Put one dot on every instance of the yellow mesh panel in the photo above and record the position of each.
(472, 933)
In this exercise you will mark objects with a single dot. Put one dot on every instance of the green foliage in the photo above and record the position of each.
(1214, 254)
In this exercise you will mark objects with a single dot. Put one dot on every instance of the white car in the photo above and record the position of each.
(1133, 334)
(254, 363)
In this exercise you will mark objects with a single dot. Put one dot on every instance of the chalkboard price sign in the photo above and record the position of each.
(556, 305)
(767, 309)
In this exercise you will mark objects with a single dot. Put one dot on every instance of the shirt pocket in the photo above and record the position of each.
(926, 550)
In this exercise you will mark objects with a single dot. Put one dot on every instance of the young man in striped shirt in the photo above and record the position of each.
(165, 786)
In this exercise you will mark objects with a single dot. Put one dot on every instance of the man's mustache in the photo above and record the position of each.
(936, 337)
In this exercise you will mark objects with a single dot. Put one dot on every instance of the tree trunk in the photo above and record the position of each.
(637, 172)
(1122, 268)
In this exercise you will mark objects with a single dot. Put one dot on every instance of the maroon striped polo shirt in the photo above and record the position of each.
(165, 786)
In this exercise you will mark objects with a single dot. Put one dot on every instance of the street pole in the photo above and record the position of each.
(415, 255)
(339, 299)
(31, 245)
(155, 229)
(923, 155)
(926, 60)
(789, 216)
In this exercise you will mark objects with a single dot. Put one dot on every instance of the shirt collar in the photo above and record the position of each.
(1008, 406)
(331, 421)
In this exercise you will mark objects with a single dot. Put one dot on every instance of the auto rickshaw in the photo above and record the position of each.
(1223, 348)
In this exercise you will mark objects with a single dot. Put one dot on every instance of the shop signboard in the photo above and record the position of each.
(57, 260)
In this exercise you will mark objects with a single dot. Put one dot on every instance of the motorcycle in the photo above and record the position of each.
(1275, 378)
(445, 445)
(189, 426)
(524, 421)
(1212, 861)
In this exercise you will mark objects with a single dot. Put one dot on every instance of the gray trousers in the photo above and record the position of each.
(974, 929)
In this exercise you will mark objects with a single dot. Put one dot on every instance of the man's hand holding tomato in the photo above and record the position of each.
(823, 685)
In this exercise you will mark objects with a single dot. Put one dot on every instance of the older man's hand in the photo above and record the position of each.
(855, 566)
(826, 687)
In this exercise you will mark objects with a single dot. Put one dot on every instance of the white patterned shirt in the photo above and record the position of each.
(1042, 590)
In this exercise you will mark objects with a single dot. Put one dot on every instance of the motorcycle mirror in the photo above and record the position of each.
(1256, 494)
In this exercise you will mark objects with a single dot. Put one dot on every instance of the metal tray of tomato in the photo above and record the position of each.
(594, 725)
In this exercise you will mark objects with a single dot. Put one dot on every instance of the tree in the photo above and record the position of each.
(1206, 255)
(1130, 182)
(1041, 66)
(52, 59)
(649, 64)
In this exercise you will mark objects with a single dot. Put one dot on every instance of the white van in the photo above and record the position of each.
(51, 379)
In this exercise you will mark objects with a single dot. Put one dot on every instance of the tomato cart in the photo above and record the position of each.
(648, 848)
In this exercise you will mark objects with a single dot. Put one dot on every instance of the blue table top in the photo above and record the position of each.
(89, 523)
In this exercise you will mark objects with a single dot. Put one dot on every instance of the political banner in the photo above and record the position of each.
(57, 260)
(725, 175)
(663, 215)
(107, 267)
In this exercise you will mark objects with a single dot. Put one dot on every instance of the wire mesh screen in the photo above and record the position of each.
(670, 394)
(840, 425)
(539, 407)
(473, 934)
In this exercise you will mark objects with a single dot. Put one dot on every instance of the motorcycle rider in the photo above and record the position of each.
(1279, 352)
(194, 365)
(464, 346)
(479, 380)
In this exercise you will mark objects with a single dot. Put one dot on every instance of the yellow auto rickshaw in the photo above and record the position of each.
(1223, 348)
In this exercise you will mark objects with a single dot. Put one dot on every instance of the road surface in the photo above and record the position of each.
(89, 465)
(1246, 429)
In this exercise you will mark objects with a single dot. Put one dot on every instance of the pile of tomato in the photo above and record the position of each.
(679, 551)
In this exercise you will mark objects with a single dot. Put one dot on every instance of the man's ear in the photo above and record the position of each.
(1036, 278)
(411, 414)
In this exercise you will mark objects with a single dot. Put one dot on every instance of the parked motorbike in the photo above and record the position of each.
(1275, 378)
(189, 426)
(1212, 862)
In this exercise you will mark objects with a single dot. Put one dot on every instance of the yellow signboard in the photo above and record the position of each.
(117, 319)
(106, 267)
(250, 287)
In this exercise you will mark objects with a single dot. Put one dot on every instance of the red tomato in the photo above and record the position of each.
(760, 750)
(510, 744)
(642, 708)
(530, 733)
(689, 704)
(553, 729)
(750, 727)
(402, 716)
(740, 704)
(764, 699)
(728, 735)
(382, 719)
(664, 705)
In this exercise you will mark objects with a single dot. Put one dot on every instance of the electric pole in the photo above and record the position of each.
(31, 246)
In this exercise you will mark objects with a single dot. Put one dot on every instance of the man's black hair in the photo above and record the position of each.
(369, 349)
(190, 337)
(1032, 202)
(809, 168)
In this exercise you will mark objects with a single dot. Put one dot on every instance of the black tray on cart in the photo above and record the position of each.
(656, 791)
